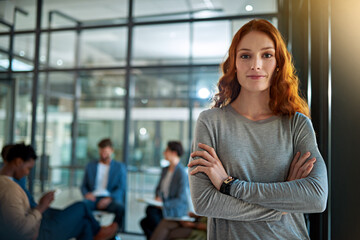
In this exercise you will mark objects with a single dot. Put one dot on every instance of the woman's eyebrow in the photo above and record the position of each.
(265, 48)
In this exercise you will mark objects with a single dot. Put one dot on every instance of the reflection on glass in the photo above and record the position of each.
(211, 41)
(183, 9)
(59, 82)
(173, 83)
(67, 13)
(24, 46)
(23, 108)
(4, 29)
(107, 83)
(4, 43)
(62, 49)
(4, 116)
(58, 132)
(150, 133)
(105, 47)
(24, 19)
(4, 62)
(160, 103)
(161, 44)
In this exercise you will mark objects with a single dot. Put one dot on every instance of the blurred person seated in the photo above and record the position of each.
(104, 183)
(171, 191)
(181, 229)
(22, 218)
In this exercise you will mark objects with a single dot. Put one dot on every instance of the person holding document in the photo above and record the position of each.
(171, 191)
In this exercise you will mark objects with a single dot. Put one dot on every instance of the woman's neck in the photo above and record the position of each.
(254, 106)
(6, 170)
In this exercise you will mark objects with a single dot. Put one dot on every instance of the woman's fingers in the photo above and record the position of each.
(299, 164)
(208, 149)
(199, 161)
(292, 166)
(305, 170)
(199, 169)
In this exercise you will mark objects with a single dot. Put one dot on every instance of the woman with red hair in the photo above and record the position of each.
(255, 167)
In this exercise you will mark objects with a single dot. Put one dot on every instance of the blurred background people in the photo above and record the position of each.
(104, 183)
(171, 190)
(176, 229)
(76, 221)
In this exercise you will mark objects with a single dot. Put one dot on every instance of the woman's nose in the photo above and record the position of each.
(256, 63)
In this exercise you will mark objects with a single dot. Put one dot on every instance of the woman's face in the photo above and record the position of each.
(167, 154)
(255, 62)
(23, 168)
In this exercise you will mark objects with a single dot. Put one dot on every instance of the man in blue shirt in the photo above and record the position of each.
(104, 183)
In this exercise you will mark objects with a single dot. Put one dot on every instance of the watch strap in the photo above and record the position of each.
(226, 185)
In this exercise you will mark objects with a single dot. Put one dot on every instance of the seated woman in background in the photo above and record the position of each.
(190, 230)
(171, 191)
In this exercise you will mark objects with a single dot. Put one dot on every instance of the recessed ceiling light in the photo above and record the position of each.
(249, 8)
(143, 131)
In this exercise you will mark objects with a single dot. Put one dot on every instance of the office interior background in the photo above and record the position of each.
(141, 71)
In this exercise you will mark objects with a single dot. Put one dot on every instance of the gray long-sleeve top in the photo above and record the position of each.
(259, 154)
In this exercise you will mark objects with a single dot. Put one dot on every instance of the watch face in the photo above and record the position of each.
(229, 179)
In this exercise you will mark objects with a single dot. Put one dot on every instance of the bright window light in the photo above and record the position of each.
(16, 65)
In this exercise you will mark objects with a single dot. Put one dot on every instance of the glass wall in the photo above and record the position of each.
(141, 81)
(5, 99)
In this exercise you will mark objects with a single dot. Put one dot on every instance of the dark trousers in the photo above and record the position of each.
(114, 207)
(76, 221)
(153, 218)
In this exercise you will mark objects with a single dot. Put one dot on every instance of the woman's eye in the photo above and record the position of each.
(244, 56)
(268, 55)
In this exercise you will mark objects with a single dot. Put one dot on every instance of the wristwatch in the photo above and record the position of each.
(225, 186)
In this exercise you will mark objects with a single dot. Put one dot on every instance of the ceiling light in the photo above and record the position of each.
(143, 131)
(119, 91)
(59, 62)
(22, 53)
(249, 8)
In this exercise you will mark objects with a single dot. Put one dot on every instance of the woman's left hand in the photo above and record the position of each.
(208, 163)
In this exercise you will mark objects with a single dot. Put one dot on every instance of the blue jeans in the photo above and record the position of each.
(76, 221)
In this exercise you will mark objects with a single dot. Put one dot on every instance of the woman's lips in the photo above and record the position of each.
(255, 77)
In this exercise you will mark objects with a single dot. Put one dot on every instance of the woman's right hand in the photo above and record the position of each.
(45, 201)
(300, 167)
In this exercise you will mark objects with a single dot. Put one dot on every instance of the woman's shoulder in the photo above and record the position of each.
(213, 113)
(300, 121)
(300, 118)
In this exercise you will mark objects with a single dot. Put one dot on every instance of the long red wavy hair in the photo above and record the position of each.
(285, 98)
